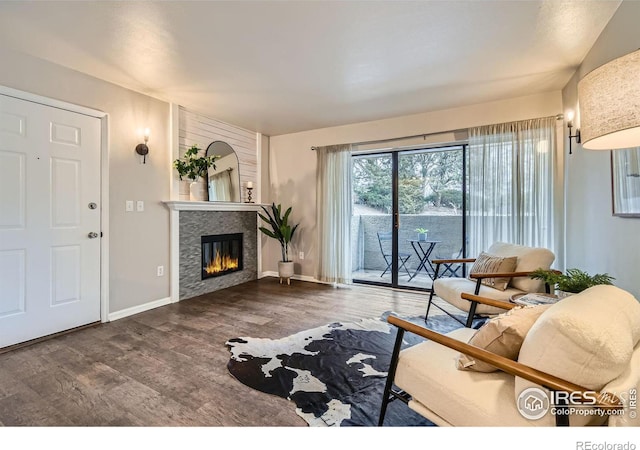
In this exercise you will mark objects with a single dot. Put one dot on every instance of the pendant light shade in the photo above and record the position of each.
(609, 99)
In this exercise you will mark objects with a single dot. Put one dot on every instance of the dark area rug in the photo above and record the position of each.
(335, 374)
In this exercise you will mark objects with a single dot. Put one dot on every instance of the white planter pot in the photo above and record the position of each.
(285, 271)
(198, 191)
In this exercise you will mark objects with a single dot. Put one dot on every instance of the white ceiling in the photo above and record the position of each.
(284, 66)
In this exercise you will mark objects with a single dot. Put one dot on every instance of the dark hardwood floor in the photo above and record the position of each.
(167, 366)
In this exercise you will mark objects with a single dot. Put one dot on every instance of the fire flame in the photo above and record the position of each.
(221, 264)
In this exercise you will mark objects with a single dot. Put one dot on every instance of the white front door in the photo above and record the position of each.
(49, 220)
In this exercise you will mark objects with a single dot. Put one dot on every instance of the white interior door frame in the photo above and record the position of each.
(104, 180)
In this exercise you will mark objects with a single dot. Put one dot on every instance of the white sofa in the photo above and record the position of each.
(586, 342)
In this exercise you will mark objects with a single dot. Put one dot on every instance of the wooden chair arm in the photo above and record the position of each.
(488, 301)
(477, 275)
(455, 260)
(605, 400)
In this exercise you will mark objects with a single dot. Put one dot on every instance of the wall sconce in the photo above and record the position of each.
(570, 126)
(143, 149)
(609, 105)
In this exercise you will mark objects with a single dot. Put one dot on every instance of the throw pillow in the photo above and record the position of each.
(502, 335)
(486, 263)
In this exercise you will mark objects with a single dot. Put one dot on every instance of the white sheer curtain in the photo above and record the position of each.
(511, 184)
(333, 193)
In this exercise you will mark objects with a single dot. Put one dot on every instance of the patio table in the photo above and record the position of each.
(423, 249)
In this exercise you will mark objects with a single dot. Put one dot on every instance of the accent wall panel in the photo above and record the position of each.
(200, 130)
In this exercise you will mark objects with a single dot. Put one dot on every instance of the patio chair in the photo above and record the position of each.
(383, 239)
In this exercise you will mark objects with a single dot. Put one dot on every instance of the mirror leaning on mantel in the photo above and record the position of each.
(223, 182)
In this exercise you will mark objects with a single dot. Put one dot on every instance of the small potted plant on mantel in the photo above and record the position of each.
(283, 232)
(571, 282)
(195, 168)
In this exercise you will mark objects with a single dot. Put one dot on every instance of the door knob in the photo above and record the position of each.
(93, 235)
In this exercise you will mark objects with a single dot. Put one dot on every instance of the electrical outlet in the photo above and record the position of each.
(139, 206)
(301, 255)
(128, 207)
(160, 271)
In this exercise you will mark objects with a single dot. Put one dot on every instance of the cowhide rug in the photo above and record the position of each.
(335, 374)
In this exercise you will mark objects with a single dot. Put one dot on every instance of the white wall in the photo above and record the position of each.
(139, 242)
(595, 240)
(292, 165)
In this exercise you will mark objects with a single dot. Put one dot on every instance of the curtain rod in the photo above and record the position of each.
(424, 135)
(382, 141)
(229, 170)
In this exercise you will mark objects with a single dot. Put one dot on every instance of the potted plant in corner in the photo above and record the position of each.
(571, 282)
(283, 232)
(422, 234)
(195, 168)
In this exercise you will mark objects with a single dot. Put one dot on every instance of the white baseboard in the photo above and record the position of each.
(271, 273)
(268, 273)
(138, 309)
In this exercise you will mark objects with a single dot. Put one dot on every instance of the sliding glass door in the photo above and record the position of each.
(430, 202)
(372, 219)
(408, 209)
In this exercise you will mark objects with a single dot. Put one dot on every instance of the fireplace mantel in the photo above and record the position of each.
(177, 205)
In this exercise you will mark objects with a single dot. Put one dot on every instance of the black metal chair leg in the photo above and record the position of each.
(562, 418)
(426, 315)
(472, 308)
(390, 376)
(435, 276)
(472, 313)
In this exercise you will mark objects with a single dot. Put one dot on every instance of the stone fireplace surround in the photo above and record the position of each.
(190, 221)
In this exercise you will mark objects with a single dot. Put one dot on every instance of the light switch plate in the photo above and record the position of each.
(128, 206)
(139, 206)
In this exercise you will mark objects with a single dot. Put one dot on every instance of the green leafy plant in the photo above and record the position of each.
(421, 230)
(193, 166)
(574, 280)
(280, 230)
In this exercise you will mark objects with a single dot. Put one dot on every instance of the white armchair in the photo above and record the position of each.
(587, 344)
(516, 280)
